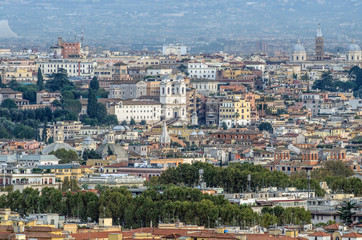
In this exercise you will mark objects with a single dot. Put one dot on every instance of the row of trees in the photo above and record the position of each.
(234, 178)
(16, 123)
(173, 204)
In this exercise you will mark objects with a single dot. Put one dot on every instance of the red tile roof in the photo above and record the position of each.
(319, 234)
(352, 235)
(334, 226)
(92, 235)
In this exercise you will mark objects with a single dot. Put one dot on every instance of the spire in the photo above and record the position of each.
(319, 31)
(165, 138)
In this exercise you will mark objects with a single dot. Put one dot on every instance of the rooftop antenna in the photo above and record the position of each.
(82, 38)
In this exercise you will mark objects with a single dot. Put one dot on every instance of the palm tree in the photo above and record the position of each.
(345, 212)
(237, 115)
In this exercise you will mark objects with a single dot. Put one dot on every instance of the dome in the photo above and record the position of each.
(299, 47)
(117, 150)
(201, 132)
(353, 47)
(55, 146)
(88, 140)
(121, 128)
(194, 133)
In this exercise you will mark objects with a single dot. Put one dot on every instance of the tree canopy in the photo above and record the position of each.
(9, 104)
(66, 156)
(172, 204)
(58, 81)
(265, 126)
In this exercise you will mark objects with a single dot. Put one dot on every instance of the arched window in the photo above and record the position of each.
(168, 90)
(163, 90)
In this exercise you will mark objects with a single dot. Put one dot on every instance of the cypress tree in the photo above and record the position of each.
(94, 84)
(40, 81)
(1, 82)
(92, 104)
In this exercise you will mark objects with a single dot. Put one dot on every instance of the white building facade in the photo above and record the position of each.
(127, 89)
(138, 110)
(173, 98)
(73, 69)
(201, 70)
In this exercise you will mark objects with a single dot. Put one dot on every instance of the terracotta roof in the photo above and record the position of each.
(40, 235)
(211, 235)
(352, 235)
(42, 229)
(334, 226)
(92, 235)
(319, 234)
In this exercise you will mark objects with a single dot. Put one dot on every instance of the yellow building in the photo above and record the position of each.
(234, 111)
(67, 171)
(20, 75)
(235, 73)
(168, 162)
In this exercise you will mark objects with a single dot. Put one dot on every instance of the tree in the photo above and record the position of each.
(110, 120)
(345, 212)
(305, 77)
(44, 133)
(124, 123)
(132, 122)
(101, 112)
(1, 83)
(9, 104)
(109, 151)
(143, 122)
(58, 81)
(92, 104)
(40, 81)
(66, 156)
(13, 84)
(23, 132)
(337, 168)
(30, 94)
(56, 103)
(71, 185)
(237, 115)
(90, 154)
(94, 84)
(265, 126)
(73, 106)
(224, 126)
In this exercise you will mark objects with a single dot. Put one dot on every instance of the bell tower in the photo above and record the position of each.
(319, 41)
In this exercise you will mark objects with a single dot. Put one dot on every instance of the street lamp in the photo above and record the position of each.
(308, 183)
(4, 165)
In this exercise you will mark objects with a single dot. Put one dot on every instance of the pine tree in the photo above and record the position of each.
(92, 104)
(40, 82)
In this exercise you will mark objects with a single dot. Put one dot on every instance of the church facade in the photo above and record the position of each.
(173, 98)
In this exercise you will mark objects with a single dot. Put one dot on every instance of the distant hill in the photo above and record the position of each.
(149, 20)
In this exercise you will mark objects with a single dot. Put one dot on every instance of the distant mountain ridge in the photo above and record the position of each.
(148, 20)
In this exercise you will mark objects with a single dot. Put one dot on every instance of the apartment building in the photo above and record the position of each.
(234, 111)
